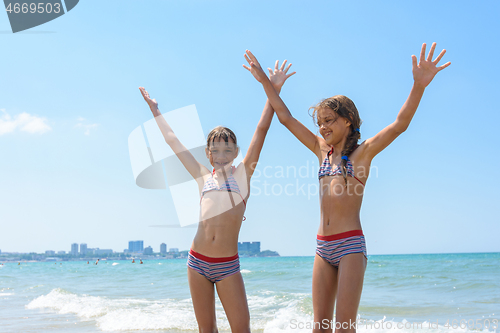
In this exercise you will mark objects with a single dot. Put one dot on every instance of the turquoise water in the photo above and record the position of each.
(126, 297)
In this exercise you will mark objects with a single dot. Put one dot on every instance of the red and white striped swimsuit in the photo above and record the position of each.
(333, 247)
(326, 168)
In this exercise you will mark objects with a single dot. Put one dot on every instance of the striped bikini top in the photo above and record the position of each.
(326, 168)
(230, 185)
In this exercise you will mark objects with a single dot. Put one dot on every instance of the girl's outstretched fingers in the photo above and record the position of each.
(252, 58)
(439, 58)
(279, 75)
(254, 68)
(249, 62)
(422, 52)
(151, 102)
(431, 52)
(425, 69)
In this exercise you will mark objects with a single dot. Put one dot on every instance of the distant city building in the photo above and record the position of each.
(102, 251)
(83, 248)
(61, 252)
(148, 250)
(251, 247)
(136, 246)
(98, 251)
(163, 248)
(174, 249)
(50, 253)
(74, 249)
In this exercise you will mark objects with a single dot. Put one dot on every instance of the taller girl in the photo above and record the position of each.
(340, 262)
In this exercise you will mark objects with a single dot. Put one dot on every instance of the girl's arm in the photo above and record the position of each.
(278, 78)
(196, 169)
(423, 73)
(301, 132)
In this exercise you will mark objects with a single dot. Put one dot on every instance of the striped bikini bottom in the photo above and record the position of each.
(333, 247)
(214, 269)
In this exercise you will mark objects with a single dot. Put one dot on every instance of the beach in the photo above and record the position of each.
(402, 293)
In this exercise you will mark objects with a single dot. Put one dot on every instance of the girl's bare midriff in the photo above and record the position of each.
(340, 204)
(217, 236)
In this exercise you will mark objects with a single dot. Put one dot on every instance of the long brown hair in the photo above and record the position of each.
(343, 107)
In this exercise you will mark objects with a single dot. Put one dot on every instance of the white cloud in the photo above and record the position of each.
(23, 122)
(87, 127)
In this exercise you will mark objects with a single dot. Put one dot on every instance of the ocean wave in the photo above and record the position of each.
(271, 312)
(120, 314)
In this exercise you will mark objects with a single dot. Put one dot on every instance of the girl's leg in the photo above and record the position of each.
(232, 295)
(351, 274)
(203, 296)
(324, 288)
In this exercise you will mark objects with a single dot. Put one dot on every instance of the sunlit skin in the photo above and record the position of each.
(340, 204)
(221, 213)
(222, 154)
(218, 235)
(332, 127)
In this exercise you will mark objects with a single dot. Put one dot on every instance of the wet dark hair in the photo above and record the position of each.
(221, 132)
(345, 108)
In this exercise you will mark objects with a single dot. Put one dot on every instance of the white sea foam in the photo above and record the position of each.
(121, 314)
(115, 263)
(285, 318)
(271, 312)
(140, 314)
(244, 271)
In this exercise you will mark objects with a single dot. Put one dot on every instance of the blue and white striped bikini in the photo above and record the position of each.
(215, 269)
(326, 168)
(230, 185)
(333, 247)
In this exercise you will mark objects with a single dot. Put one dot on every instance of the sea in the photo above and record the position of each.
(402, 293)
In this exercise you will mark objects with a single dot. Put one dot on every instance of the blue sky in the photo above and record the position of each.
(69, 100)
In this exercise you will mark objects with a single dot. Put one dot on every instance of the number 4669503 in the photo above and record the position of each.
(34, 8)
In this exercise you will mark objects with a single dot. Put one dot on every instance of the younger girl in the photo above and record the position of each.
(213, 258)
(340, 261)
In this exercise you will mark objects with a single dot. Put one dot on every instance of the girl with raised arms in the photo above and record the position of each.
(213, 257)
(340, 261)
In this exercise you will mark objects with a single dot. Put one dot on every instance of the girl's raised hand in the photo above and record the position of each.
(254, 68)
(279, 76)
(425, 70)
(153, 104)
